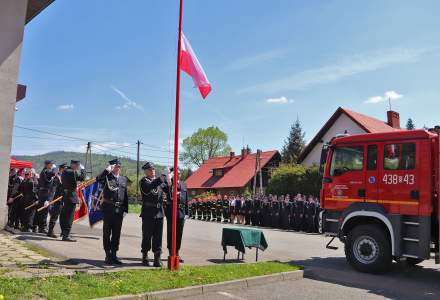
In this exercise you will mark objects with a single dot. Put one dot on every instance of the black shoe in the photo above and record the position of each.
(44, 231)
(34, 230)
(52, 235)
(68, 239)
(115, 259)
(157, 261)
(108, 258)
(145, 260)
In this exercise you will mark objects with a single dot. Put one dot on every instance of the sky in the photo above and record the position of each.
(105, 71)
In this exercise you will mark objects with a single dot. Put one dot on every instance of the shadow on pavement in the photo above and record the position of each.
(400, 283)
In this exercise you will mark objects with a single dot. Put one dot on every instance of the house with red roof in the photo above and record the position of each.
(345, 121)
(232, 174)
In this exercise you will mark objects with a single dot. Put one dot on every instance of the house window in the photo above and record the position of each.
(218, 172)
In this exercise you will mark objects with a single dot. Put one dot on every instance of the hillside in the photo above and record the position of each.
(99, 161)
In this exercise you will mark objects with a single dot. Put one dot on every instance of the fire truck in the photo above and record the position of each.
(380, 197)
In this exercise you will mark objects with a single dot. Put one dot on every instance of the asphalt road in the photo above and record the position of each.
(328, 274)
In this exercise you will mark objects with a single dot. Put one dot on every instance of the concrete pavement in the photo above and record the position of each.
(201, 246)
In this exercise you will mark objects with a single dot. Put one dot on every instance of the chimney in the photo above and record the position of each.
(231, 154)
(393, 119)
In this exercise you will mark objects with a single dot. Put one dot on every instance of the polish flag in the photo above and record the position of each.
(191, 66)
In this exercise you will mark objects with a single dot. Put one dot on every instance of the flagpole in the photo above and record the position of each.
(173, 260)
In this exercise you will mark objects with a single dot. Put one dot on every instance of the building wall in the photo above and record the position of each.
(12, 20)
(342, 124)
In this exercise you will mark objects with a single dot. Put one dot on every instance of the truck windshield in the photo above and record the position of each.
(346, 159)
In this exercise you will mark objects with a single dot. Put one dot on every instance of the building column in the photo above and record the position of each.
(12, 21)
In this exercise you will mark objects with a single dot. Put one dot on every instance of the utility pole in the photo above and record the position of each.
(137, 170)
(88, 163)
(257, 164)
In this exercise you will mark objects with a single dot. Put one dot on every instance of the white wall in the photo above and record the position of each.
(342, 124)
(12, 19)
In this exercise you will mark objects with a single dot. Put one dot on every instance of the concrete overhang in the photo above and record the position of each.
(35, 7)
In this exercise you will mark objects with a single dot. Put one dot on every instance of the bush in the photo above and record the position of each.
(293, 179)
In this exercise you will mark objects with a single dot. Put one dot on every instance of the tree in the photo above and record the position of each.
(294, 144)
(204, 144)
(410, 124)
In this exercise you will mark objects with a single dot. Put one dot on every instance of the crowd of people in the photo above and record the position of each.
(37, 201)
(53, 194)
(300, 213)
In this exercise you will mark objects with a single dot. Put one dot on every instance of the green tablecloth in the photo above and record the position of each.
(241, 238)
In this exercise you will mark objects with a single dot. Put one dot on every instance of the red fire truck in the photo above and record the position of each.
(380, 197)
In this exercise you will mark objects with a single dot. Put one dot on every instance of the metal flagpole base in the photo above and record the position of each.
(173, 263)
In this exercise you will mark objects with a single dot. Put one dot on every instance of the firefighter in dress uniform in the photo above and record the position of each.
(69, 181)
(14, 202)
(47, 176)
(182, 213)
(55, 208)
(29, 188)
(152, 213)
(114, 205)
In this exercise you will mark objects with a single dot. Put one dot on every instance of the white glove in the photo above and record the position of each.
(10, 200)
(109, 168)
(36, 203)
(53, 167)
(81, 167)
(46, 203)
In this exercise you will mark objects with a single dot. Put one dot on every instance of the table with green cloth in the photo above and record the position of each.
(242, 238)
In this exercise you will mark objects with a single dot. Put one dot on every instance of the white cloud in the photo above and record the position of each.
(66, 107)
(129, 104)
(280, 100)
(349, 66)
(392, 95)
(248, 61)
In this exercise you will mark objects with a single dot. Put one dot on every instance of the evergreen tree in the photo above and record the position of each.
(410, 124)
(294, 144)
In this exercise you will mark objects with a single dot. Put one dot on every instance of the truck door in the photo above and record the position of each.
(371, 174)
(346, 178)
(399, 184)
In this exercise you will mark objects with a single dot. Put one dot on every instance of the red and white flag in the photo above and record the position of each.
(191, 66)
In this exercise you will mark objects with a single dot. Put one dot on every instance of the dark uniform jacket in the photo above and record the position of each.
(45, 182)
(152, 197)
(56, 189)
(114, 191)
(28, 188)
(182, 200)
(69, 180)
(14, 183)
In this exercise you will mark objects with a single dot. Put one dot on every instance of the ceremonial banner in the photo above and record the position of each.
(92, 194)
(81, 208)
(191, 66)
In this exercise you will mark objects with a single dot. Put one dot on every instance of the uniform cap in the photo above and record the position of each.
(62, 166)
(48, 161)
(147, 166)
(115, 161)
(74, 161)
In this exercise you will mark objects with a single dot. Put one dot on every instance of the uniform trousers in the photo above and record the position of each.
(54, 213)
(66, 218)
(111, 228)
(179, 232)
(152, 230)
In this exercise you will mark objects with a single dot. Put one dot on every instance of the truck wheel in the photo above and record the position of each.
(368, 249)
(411, 262)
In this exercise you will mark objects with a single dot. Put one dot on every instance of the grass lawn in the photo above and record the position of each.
(87, 286)
(134, 208)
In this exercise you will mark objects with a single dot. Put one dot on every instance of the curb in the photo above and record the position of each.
(214, 287)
